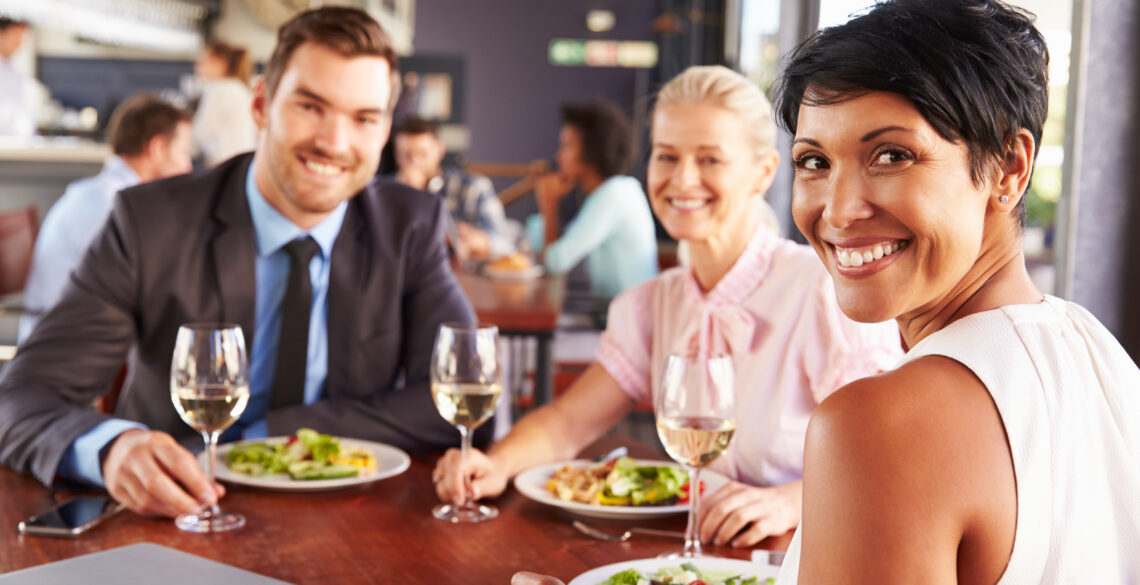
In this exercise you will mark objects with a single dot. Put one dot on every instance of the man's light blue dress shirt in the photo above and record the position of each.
(272, 230)
(67, 231)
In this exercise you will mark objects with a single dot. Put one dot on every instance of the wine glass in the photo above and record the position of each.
(209, 385)
(466, 383)
(696, 418)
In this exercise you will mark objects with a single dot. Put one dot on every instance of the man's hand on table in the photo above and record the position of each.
(742, 515)
(483, 474)
(151, 474)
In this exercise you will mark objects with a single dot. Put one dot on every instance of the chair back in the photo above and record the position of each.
(524, 175)
(18, 229)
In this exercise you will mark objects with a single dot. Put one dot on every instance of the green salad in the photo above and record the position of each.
(308, 455)
(630, 483)
(622, 482)
(686, 574)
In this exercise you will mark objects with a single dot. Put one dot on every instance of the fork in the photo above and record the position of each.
(624, 536)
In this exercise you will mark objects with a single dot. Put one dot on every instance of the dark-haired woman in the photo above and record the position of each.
(1006, 446)
(223, 125)
(613, 229)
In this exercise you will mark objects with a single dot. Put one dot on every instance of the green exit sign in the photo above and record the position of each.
(593, 53)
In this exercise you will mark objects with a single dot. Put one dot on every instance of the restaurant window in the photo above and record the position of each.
(759, 56)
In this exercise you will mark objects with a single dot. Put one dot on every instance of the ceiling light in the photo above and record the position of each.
(600, 20)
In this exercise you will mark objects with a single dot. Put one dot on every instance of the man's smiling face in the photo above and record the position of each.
(321, 132)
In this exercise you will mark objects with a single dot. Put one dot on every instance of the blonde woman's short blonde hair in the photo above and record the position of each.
(725, 88)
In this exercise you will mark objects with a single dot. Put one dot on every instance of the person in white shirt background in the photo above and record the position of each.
(223, 124)
(150, 140)
(17, 116)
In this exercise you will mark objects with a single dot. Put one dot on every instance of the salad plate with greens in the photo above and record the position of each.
(308, 461)
(623, 488)
(658, 571)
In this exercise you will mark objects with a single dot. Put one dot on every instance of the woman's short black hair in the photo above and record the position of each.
(977, 70)
(606, 135)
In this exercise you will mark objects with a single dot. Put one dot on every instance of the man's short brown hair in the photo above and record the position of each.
(351, 32)
(140, 118)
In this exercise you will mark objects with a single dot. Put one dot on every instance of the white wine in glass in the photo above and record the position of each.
(695, 409)
(695, 441)
(209, 385)
(466, 405)
(466, 385)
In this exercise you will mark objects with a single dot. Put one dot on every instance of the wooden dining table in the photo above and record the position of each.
(381, 532)
(520, 307)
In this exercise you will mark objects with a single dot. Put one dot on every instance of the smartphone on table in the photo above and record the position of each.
(72, 517)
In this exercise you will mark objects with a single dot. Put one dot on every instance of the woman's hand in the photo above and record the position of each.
(484, 476)
(742, 515)
(550, 188)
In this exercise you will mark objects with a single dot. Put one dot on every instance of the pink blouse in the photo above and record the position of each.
(775, 312)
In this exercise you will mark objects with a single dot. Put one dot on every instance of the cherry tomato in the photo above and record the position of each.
(683, 493)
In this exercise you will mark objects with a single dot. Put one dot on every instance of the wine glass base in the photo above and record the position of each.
(700, 554)
(208, 522)
(465, 514)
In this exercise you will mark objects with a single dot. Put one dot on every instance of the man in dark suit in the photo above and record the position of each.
(221, 246)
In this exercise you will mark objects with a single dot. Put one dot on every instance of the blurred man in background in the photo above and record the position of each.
(17, 116)
(150, 139)
(482, 228)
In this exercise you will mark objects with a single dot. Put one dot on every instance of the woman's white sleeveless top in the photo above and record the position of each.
(1069, 397)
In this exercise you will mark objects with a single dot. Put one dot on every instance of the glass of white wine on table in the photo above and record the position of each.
(695, 409)
(209, 385)
(466, 384)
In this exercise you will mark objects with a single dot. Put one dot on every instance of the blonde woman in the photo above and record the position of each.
(764, 299)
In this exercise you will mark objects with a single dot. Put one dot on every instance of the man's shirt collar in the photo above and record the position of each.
(274, 230)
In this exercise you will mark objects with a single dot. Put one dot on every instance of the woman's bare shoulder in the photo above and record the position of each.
(929, 406)
(914, 461)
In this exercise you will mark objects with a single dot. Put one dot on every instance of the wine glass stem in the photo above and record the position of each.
(211, 454)
(464, 447)
(693, 530)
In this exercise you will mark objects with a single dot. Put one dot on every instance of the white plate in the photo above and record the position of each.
(390, 461)
(525, 274)
(596, 576)
(532, 484)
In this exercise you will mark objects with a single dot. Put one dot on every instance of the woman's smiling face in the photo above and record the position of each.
(888, 204)
(704, 170)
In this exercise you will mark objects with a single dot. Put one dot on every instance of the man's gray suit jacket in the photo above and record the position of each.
(183, 250)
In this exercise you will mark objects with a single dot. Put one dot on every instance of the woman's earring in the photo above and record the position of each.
(1003, 199)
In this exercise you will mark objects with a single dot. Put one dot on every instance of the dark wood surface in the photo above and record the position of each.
(517, 306)
(380, 533)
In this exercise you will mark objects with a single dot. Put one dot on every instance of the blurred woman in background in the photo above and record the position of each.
(614, 228)
(223, 124)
